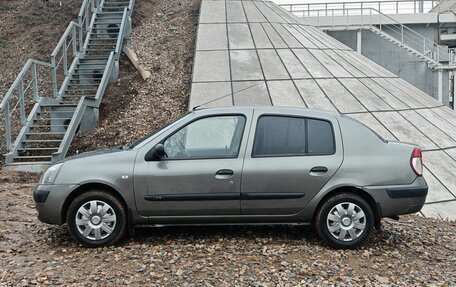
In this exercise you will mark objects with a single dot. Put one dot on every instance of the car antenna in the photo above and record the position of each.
(229, 94)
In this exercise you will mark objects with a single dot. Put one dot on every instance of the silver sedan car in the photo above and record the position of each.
(238, 165)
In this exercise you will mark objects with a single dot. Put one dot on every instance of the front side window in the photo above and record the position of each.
(211, 137)
(292, 136)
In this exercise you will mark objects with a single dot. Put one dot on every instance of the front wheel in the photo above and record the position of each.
(97, 218)
(344, 221)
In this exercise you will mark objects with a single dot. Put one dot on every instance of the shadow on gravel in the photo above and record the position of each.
(275, 232)
(391, 237)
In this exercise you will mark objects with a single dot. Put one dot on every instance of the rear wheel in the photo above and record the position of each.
(344, 220)
(97, 218)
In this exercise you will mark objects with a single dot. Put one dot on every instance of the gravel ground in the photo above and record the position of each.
(415, 251)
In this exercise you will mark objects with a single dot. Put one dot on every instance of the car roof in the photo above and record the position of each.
(266, 109)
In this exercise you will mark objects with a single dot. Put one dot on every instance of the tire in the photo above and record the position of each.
(349, 230)
(97, 218)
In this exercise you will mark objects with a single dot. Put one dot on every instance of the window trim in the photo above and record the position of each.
(200, 118)
(252, 155)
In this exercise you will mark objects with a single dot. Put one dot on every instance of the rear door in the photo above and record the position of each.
(289, 159)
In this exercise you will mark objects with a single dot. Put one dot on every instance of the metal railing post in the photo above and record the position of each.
(424, 46)
(370, 24)
(35, 83)
(438, 54)
(362, 19)
(74, 39)
(54, 77)
(402, 34)
(87, 16)
(347, 20)
(380, 19)
(81, 24)
(7, 124)
(65, 57)
(22, 102)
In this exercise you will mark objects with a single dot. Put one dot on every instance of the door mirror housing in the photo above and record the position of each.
(156, 153)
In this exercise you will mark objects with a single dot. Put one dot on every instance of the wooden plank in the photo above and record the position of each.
(145, 74)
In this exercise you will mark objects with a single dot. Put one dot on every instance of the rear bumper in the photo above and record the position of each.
(398, 200)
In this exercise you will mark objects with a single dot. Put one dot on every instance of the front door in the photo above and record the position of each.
(201, 172)
(289, 159)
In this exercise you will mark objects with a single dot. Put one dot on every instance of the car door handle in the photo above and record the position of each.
(224, 174)
(318, 170)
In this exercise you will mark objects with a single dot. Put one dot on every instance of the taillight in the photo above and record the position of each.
(416, 162)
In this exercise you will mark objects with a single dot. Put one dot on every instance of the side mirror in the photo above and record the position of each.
(156, 153)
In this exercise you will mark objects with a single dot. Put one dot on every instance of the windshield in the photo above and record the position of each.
(137, 142)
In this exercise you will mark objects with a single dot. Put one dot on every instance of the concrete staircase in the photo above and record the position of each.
(46, 133)
(428, 57)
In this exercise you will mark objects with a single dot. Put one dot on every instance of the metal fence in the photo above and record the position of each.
(370, 18)
(385, 7)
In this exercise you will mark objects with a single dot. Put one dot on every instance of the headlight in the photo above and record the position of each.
(50, 174)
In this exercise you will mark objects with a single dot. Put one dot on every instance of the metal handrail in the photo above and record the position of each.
(105, 78)
(121, 33)
(72, 39)
(384, 23)
(131, 6)
(384, 6)
(8, 108)
(70, 36)
(71, 130)
(84, 103)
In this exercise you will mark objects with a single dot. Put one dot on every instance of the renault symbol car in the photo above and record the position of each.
(238, 165)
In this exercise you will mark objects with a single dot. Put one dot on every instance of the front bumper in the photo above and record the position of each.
(400, 199)
(49, 200)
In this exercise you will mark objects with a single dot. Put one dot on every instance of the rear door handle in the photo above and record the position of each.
(224, 174)
(318, 170)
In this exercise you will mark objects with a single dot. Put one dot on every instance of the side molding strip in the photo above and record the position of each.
(224, 196)
(194, 196)
(271, 195)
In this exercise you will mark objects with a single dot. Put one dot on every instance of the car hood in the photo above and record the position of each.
(95, 153)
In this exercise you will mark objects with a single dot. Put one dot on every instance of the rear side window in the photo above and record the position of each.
(320, 137)
(288, 136)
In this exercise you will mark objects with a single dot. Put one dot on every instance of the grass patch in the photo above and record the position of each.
(2, 43)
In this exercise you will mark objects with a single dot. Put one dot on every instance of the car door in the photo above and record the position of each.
(201, 173)
(289, 159)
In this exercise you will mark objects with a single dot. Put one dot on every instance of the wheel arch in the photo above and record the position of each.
(88, 187)
(356, 191)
